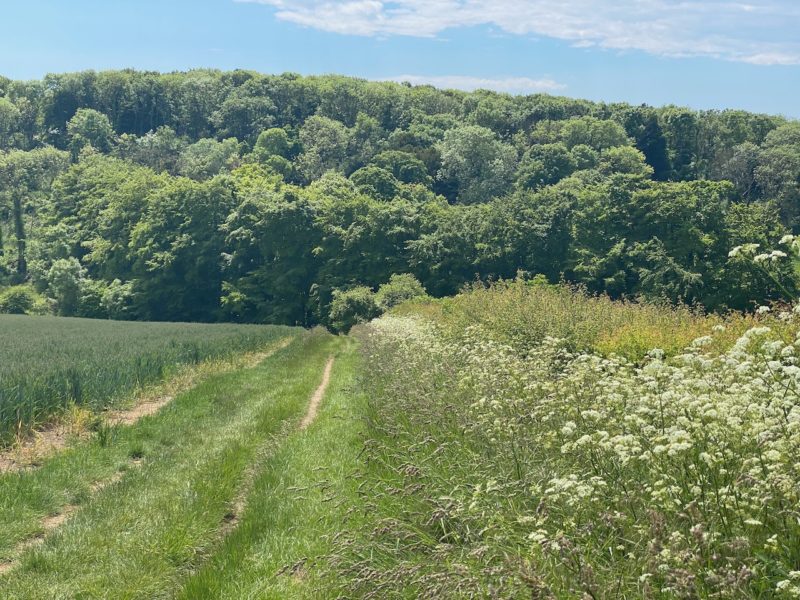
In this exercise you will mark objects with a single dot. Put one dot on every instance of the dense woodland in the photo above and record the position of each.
(235, 196)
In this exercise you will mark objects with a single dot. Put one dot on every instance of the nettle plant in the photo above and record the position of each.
(576, 474)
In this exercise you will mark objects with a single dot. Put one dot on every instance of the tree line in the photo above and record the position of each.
(237, 196)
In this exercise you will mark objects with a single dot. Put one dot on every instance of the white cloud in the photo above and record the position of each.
(513, 85)
(758, 32)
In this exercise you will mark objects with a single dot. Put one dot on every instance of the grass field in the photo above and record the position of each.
(50, 363)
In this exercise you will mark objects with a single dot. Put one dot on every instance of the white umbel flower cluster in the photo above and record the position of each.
(684, 474)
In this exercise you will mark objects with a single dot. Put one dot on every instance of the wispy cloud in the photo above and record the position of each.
(513, 85)
(762, 32)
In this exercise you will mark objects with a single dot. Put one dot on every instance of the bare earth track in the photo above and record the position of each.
(316, 399)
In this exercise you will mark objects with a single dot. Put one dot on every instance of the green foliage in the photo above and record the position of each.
(273, 142)
(90, 128)
(546, 164)
(175, 250)
(480, 165)
(351, 307)
(160, 150)
(17, 300)
(65, 280)
(400, 288)
(207, 158)
(271, 267)
(404, 166)
(777, 172)
(325, 143)
(252, 197)
(9, 122)
(376, 182)
(598, 134)
(624, 159)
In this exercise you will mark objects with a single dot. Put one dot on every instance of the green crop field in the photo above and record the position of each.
(48, 363)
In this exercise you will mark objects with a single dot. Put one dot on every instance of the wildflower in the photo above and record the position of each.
(744, 249)
(665, 430)
(538, 536)
(702, 341)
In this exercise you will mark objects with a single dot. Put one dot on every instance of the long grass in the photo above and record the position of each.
(305, 493)
(534, 468)
(48, 364)
(523, 313)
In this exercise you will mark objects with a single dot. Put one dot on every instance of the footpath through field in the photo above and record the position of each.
(186, 498)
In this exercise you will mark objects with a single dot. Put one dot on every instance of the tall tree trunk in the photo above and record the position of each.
(19, 232)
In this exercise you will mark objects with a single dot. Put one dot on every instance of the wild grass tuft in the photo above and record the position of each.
(523, 313)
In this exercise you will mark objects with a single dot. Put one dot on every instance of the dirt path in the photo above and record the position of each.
(240, 502)
(316, 399)
(52, 522)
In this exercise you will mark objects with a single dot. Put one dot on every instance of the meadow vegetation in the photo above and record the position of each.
(527, 441)
(523, 312)
(572, 369)
(146, 509)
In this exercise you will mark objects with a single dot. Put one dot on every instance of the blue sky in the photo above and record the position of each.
(710, 54)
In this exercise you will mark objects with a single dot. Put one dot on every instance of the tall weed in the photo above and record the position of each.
(556, 472)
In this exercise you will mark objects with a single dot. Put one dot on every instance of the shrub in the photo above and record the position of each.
(351, 307)
(65, 281)
(399, 289)
(17, 300)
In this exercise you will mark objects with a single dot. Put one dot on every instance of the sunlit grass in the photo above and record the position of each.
(175, 477)
(523, 313)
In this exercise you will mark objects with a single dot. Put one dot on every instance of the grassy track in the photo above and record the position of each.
(172, 481)
(299, 502)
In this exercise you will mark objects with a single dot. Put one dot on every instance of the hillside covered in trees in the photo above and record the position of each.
(235, 196)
